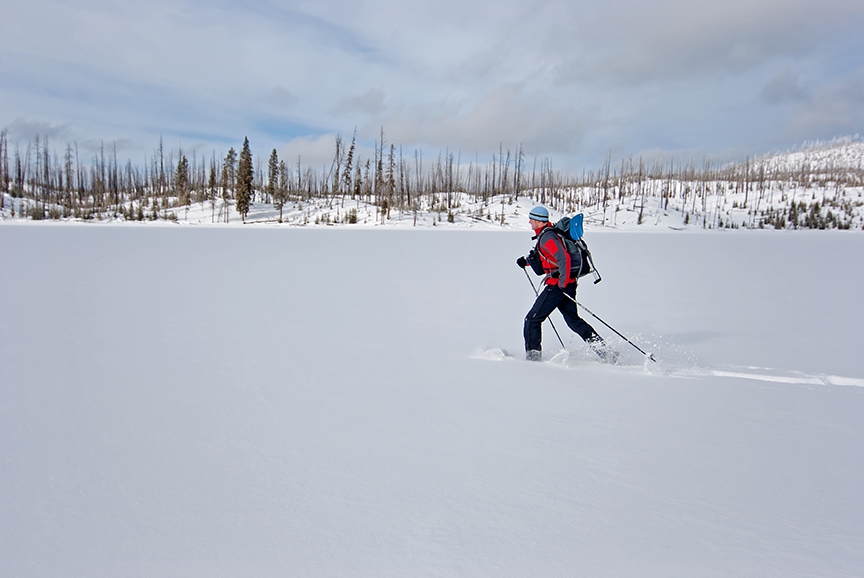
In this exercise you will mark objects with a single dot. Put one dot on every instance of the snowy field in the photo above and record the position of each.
(328, 402)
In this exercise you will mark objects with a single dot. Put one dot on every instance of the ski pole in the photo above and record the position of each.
(537, 294)
(618, 333)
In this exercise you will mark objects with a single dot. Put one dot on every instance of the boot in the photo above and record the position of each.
(602, 349)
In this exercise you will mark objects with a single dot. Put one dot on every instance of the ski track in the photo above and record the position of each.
(566, 359)
(796, 378)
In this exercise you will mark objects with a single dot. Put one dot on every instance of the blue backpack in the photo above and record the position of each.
(570, 231)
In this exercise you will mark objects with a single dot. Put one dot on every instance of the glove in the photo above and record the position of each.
(522, 262)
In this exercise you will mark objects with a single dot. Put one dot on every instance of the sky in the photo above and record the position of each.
(571, 81)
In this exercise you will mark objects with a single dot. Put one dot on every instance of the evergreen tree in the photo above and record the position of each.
(181, 180)
(245, 178)
(346, 175)
(273, 174)
(793, 215)
(212, 187)
(283, 185)
(229, 176)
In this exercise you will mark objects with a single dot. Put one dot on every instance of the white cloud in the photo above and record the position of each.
(23, 130)
(314, 151)
(370, 102)
(836, 109)
(282, 97)
(784, 87)
(561, 77)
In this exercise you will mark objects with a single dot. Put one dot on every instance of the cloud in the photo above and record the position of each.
(632, 42)
(370, 102)
(833, 110)
(282, 97)
(784, 87)
(564, 78)
(507, 115)
(23, 130)
(314, 151)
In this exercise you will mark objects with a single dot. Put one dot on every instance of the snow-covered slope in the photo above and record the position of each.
(326, 402)
(820, 186)
(819, 157)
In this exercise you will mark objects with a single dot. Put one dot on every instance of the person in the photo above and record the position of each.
(551, 258)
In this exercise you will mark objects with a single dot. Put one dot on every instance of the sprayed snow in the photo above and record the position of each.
(335, 402)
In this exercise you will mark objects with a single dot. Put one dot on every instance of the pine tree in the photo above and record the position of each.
(212, 188)
(346, 174)
(273, 175)
(229, 177)
(181, 180)
(281, 193)
(245, 177)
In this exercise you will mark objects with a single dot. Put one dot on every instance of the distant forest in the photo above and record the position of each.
(773, 190)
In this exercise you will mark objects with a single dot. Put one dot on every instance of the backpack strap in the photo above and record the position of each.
(541, 240)
(586, 254)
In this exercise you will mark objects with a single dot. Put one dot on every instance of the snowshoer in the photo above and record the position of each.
(550, 257)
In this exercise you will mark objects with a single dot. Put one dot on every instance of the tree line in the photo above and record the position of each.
(52, 186)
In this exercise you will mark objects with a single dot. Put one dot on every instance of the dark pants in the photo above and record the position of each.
(552, 298)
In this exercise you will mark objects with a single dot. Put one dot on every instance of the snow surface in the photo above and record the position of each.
(261, 401)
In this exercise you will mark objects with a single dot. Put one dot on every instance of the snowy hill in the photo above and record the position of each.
(180, 402)
(818, 158)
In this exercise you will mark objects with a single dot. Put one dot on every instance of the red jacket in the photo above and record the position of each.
(554, 257)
